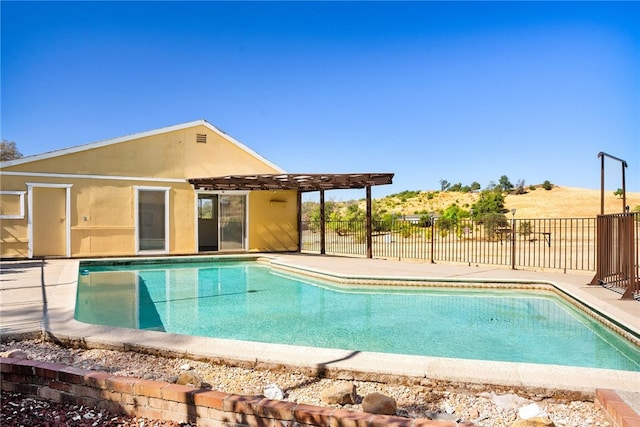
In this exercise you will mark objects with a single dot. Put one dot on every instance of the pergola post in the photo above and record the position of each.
(299, 218)
(322, 224)
(369, 224)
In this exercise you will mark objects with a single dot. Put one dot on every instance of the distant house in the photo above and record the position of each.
(183, 189)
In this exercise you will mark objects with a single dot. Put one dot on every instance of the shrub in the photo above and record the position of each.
(493, 221)
(525, 229)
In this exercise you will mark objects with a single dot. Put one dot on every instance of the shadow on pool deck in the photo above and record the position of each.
(40, 295)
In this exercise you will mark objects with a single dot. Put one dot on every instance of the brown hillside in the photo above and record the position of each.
(559, 202)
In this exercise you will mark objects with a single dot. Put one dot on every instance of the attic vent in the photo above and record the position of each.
(201, 138)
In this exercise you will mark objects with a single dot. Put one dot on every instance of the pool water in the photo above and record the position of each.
(253, 302)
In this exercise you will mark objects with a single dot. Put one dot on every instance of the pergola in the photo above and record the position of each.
(302, 183)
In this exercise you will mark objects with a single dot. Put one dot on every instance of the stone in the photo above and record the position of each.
(339, 394)
(377, 403)
(534, 422)
(14, 353)
(508, 401)
(189, 378)
(531, 411)
(273, 392)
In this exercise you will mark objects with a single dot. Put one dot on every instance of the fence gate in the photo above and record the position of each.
(617, 254)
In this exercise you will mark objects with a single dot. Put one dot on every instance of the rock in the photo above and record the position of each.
(474, 414)
(534, 422)
(189, 378)
(377, 403)
(273, 392)
(14, 353)
(67, 360)
(185, 367)
(531, 411)
(508, 401)
(339, 394)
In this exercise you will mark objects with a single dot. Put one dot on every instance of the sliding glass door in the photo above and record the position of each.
(222, 222)
(232, 221)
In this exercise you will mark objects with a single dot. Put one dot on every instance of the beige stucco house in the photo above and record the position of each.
(132, 196)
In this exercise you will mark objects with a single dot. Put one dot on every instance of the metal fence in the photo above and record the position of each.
(561, 244)
(618, 254)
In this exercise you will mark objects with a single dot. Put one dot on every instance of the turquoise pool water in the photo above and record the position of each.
(253, 302)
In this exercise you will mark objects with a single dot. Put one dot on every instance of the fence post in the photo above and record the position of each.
(513, 243)
(433, 230)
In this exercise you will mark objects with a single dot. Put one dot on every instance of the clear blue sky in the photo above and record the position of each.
(462, 91)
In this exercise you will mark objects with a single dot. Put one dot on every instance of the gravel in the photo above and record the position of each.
(483, 405)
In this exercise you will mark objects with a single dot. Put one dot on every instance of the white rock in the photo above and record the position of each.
(185, 367)
(509, 401)
(531, 411)
(273, 392)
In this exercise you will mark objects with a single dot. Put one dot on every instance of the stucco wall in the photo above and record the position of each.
(273, 221)
(175, 154)
(103, 180)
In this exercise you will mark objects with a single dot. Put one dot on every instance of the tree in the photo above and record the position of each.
(520, 187)
(451, 216)
(456, 187)
(505, 184)
(444, 185)
(490, 202)
(475, 186)
(618, 192)
(547, 185)
(9, 151)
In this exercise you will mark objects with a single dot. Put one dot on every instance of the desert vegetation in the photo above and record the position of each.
(492, 205)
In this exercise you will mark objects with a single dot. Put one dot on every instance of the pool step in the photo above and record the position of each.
(621, 408)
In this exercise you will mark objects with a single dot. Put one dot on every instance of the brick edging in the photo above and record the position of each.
(165, 401)
(616, 409)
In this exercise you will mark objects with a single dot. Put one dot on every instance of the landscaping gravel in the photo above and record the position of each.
(482, 405)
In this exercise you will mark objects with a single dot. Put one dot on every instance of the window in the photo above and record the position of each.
(12, 204)
(201, 138)
(205, 208)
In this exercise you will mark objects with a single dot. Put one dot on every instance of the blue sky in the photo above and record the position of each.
(462, 91)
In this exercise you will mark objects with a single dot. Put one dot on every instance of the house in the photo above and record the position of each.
(182, 189)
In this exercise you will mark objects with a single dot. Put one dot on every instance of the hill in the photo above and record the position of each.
(559, 202)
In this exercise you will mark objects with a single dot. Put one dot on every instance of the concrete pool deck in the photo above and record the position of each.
(40, 296)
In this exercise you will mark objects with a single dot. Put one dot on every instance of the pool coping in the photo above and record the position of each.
(59, 324)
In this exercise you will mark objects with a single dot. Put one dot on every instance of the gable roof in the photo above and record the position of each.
(90, 146)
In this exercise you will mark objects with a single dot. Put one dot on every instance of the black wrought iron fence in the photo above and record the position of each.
(562, 243)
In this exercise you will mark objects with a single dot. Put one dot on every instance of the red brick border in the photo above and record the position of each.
(161, 400)
(616, 409)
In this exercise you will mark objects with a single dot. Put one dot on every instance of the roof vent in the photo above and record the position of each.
(201, 138)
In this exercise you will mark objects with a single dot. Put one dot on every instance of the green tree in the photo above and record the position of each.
(456, 187)
(444, 185)
(505, 184)
(618, 192)
(492, 221)
(490, 201)
(547, 185)
(354, 213)
(475, 186)
(9, 151)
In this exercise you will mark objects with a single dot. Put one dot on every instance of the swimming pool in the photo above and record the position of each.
(252, 302)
